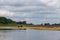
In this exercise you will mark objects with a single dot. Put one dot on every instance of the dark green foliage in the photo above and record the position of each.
(4, 20)
(46, 24)
(23, 22)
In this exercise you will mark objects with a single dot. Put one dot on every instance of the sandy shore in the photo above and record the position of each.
(43, 28)
(11, 28)
(36, 28)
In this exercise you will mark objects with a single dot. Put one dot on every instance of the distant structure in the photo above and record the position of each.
(48, 24)
(56, 24)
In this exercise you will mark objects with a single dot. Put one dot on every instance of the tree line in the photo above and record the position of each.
(4, 20)
(48, 24)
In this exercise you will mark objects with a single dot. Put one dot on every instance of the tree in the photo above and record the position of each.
(21, 22)
(46, 24)
(4, 20)
(24, 22)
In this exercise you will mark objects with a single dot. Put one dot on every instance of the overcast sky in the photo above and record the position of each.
(32, 11)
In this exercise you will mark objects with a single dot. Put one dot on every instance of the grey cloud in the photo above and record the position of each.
(30, 10)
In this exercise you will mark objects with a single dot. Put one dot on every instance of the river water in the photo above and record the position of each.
(29, 34)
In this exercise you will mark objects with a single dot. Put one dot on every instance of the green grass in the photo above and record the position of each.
(37, 27)
(8, 24)
(14, 25)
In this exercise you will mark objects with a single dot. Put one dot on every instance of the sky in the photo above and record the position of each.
(32, 11)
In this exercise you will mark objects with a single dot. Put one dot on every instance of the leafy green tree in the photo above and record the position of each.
(4, 20)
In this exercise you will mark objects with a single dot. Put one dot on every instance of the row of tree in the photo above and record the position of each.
(48, 24)
(4, 20)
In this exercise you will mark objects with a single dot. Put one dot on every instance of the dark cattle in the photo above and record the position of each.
(20, 26)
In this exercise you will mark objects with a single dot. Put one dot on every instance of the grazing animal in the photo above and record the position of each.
(20, 26)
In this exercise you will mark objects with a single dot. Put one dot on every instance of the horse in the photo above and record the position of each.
(20, 26)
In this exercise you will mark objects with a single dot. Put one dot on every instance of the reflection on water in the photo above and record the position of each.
(29, 34)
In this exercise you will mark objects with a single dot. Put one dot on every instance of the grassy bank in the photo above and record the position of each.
(8, 25)
(36, 27)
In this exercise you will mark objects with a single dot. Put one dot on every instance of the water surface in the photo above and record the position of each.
(29, 34)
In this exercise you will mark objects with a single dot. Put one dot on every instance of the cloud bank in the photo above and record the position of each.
(33, 11)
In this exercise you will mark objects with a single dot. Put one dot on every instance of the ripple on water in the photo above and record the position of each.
(29, 34)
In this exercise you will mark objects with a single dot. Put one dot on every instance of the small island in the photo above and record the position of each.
(10, 24)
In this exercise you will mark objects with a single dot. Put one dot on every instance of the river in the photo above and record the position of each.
(29, 34)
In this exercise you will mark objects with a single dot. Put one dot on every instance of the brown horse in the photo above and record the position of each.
(20, 26)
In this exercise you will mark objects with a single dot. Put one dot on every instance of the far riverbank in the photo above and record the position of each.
(35, 28)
